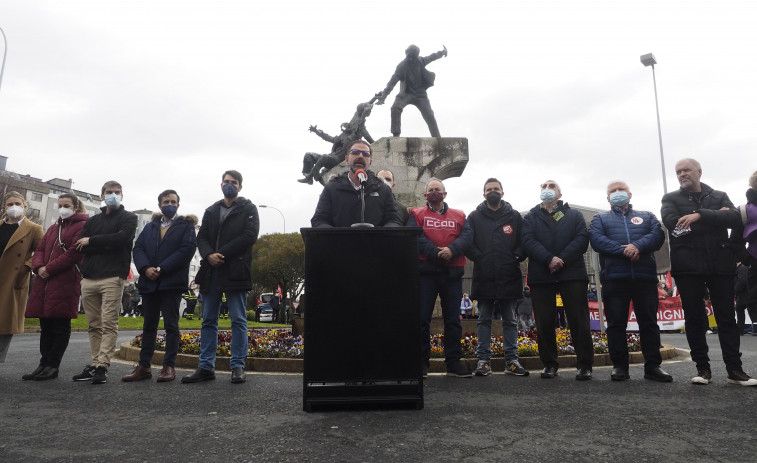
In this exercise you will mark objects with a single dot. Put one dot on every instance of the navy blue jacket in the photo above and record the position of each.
(496, 252)
(562, 234)
(609, 230)
(172, 254)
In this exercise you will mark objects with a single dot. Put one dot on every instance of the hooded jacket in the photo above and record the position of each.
(706, 249)
(496, 252)
(58, 295)
(562, 234)
(172, 253)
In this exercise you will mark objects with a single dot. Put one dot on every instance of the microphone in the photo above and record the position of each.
(362, 176)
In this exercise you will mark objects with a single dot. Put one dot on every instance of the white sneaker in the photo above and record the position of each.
(741, 378)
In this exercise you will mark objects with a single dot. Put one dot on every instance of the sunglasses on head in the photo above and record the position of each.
(366, 154)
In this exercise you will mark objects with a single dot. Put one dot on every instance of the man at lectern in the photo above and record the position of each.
(340, 204)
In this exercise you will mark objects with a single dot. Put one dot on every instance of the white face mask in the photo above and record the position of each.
(65, 212)
(14, 212)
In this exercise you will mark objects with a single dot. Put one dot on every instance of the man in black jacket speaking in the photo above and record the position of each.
(340, 204)
(702, 258)
(228, 232)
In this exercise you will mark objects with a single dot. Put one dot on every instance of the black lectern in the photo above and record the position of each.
(362, 323)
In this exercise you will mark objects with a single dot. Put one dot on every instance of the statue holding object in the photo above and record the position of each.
(314, 164)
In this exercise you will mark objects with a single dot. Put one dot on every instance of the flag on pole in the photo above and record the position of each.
(278, 290)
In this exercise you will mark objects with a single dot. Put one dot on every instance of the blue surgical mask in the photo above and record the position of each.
(169, 210)
(619, 198)
(229, 190)
(548, 195)
(112, 200)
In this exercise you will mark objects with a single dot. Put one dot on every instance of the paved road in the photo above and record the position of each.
(472, 420)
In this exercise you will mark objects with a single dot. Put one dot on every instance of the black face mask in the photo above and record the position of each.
(493, 198)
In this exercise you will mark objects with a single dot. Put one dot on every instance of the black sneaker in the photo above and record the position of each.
(515, 368)
(741, 378)
(86, 374)
(100, 375)
(459, 370)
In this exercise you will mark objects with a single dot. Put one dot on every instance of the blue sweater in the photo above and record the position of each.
(609, 230)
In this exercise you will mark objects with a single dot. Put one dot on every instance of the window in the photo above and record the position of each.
(36, 196)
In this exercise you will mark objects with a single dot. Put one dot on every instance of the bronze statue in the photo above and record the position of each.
(415, 80)
(314, 164)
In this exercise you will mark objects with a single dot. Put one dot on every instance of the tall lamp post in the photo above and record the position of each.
(5, 52)
(282, 215)
(649, 60)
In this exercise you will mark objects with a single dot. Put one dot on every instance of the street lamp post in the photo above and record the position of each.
(282, 215)
(649, 60)
(5, 52)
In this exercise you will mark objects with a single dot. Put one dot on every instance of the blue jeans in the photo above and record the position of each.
(450, 291)
(211, 307)
(506, 309)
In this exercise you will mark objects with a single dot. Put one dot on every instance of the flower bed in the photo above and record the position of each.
(276, 343)
(271, 343)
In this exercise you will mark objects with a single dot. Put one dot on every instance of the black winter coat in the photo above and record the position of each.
(111, 237)
(496, 252)
(544, 238)
(340, 206)
(234, 238)
(172, 254)
(706, 250)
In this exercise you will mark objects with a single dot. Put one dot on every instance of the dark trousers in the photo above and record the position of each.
(618, 294)
(692, 289)
(450, 291)
(423, 105)
(53, 340)
(543, 297)
(153, 304)
(742, 307)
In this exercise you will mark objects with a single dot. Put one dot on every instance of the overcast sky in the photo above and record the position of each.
(169, 94)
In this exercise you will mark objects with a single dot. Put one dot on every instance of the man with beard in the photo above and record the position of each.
(702, 258)
(229, 230)
(497, 279)
(340, 204)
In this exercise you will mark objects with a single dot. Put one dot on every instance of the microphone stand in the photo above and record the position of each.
(362, 223)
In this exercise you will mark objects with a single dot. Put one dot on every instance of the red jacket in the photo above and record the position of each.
(58, 295)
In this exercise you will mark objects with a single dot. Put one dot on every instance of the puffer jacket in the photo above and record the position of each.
(706, 250)
(173, 254)
(340, 205)
(609, 230)
(58, 295)
(562, 234)
(496, 252)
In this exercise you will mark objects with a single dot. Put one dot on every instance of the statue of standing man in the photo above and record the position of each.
(415, 80)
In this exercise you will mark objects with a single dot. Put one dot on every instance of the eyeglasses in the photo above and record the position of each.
(366, 154)
(548, 185)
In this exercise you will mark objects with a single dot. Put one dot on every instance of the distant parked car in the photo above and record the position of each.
(264, 313)
(265, 298)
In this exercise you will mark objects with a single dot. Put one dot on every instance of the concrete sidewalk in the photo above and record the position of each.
(501, 417)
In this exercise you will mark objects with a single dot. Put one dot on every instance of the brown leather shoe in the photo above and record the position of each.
(138, 374)
(168, 373)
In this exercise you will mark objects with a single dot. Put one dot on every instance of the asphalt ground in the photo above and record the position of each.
(496, 418)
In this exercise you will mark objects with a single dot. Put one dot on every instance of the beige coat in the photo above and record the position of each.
(15, 267)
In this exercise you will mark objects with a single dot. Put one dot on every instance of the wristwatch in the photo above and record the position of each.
(157, 269)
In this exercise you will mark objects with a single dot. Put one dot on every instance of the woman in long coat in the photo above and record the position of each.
(55, 294)
(19, 238)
